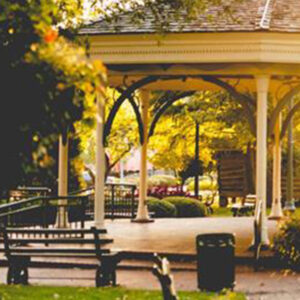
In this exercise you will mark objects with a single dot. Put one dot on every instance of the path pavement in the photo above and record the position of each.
(263, 285)
(178, 235)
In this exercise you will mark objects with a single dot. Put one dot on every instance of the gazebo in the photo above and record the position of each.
(255, 53)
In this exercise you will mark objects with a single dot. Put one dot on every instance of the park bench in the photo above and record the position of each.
(28, 192)
(21, 245)
(246, 207)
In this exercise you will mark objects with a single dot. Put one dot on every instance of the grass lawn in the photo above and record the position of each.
(68, 293)
(221, 211)
(226, 211)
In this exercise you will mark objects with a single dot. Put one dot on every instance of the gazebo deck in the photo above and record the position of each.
(177, 236)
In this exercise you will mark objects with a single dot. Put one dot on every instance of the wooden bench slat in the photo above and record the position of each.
(57, 241)
(23, 250)
(57, 255)
(19, 250)
(52, 231)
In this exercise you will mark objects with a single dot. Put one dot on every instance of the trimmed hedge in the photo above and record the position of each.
(287, 243)
(205, 184)
(162, 181)
(161, 208)
(187, 207)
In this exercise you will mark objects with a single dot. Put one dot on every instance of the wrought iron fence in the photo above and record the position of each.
(120, 201)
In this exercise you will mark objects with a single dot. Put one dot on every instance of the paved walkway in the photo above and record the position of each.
(178, 235)
(267, 285)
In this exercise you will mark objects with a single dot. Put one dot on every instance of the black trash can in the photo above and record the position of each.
(215, 261)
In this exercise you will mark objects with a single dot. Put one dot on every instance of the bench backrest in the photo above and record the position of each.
(54, 241)
(250, 199)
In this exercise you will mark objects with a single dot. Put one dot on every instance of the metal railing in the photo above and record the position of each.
(42, 211)
(120, 200)
(79, 206)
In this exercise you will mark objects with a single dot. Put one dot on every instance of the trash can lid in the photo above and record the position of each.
(215, 239)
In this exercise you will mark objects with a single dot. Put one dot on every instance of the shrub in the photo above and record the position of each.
(162, 180)
(161, 208)
(204, 184)
(287, 243)
(187, 207)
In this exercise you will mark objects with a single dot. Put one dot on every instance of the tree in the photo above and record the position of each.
(162, 13)
(46, 83)
(122, 139)
(222, 126)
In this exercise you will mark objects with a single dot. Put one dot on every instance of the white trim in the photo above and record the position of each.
(260, 47)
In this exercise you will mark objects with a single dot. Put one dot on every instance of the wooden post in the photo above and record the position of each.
(142, 213)
(262, 82)
(63, 157)
(99, 205)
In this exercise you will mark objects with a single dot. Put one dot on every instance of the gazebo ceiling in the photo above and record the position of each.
(263, 37)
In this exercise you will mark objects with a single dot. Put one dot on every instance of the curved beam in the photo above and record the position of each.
(128, 92)
(230, 89)
(246, 102)
(138, 118)
(164, 107)
(137, 113)
(125, 95)
(287, 97)
(288, 119)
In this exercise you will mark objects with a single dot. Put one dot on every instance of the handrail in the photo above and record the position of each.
(119, 202)
(78, 192)
(121, 184)
(43, 198)
(21, 210)
(11, 212)
(32, 189)
(90, 188)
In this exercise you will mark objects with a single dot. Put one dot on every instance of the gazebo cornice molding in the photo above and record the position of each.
(227, 47)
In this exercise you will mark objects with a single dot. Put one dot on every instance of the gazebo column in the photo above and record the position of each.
(99, 205)
(290, 201)
(63, 157)
(276, 211)
(142, 213)
(262, 82)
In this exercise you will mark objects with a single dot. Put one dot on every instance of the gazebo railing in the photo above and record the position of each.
(42, 211)
(120, 200)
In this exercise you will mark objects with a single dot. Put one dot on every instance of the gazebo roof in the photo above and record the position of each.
(248, 16)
